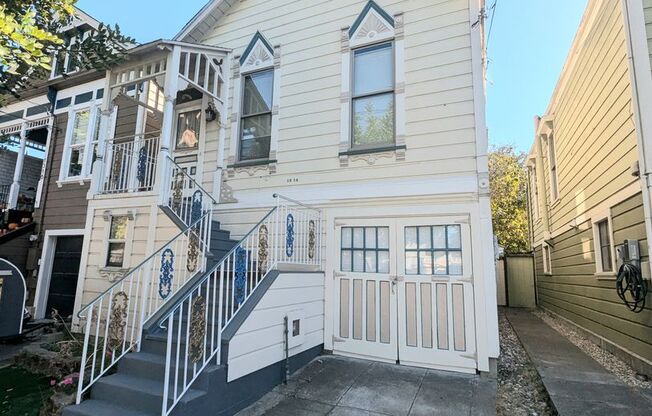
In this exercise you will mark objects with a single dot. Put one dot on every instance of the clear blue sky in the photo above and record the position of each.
(527, 49)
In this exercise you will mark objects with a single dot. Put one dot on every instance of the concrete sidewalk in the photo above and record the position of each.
(332, 385)
(576, 383)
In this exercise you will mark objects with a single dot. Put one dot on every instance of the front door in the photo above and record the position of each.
(405, 293)
(65, 271)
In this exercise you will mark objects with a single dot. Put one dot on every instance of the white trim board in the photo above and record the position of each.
(45, 267)
(321, 193)
(615, 199)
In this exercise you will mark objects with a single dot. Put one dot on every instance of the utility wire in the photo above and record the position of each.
(491, 22)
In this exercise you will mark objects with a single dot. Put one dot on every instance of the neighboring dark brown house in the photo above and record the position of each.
(54, 122)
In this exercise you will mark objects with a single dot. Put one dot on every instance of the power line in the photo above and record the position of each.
(491, 22)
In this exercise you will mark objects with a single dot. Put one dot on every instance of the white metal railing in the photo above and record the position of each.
(187, 199)
(290, 233)
(130, 165)
(114, 320)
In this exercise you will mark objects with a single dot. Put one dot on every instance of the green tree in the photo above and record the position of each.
(508, 179)
(31, 32)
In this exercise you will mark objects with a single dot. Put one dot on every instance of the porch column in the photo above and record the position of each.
(105, 135)
(165, 142)
(18, 170)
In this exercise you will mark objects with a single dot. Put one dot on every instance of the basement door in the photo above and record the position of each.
(404, 292)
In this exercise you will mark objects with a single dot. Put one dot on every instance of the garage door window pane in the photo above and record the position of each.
(433, 250)
(364, 249)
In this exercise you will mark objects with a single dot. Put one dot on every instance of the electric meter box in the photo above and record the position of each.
(628, 252)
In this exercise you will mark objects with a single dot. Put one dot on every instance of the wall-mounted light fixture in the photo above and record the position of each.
(211, 112)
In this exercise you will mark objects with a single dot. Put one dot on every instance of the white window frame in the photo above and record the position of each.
(66, 59)
(534, 193)
(546, 251)
(94, 106)
(243, 76)
(355, 97)
(597, 244)
(260, 56)
(553, 168)
(373, 28)
(108, 218)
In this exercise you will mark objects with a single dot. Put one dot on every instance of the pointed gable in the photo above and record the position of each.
(204, 20)
(372, 25)
(259, 54)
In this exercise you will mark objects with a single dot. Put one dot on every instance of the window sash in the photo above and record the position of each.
(86, 146)
(371, 94)
(244, 117)
(604, 246)
(366, 249)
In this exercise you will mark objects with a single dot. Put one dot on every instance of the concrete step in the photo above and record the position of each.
(103, 408)
(137, 393)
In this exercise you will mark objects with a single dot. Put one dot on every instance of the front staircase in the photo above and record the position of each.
(136, 387)
(149, 356)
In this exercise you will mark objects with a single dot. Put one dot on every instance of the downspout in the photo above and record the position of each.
(543, 197)
(634, 21)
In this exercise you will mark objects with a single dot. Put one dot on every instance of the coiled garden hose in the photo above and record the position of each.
(631, 287)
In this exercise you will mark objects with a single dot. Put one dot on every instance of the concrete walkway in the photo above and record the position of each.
(332, 385)
(576, 383)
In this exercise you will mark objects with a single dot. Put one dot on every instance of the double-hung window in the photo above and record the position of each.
(534, 193)
(256, 119)
(552, 161)
(373, 96)
(81, 144)
(603, 243)
(117, 241)
(547, 259)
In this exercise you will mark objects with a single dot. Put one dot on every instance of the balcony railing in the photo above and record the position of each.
(130, 166)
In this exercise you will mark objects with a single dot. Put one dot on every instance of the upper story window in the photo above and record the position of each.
(81, 143)
(256, 119)
(373, 85)
(534, 193)
(373, 96)
(255, 127)
(552, 164)
(62, 61)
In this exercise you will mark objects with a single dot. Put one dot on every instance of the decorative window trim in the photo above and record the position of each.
(372, 26)
(534, 192)
(109, 271)
(547, 258)
(596, 220)
(553, 167)
(258, 56)
(94, 106)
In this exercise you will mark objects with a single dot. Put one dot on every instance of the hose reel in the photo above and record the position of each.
(630, 285)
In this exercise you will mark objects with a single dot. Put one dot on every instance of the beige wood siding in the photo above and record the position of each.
(439, 93)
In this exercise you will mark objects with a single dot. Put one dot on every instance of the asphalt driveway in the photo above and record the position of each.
(333, 385)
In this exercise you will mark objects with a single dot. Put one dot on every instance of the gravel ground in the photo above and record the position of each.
(520, 390)
(609, 361)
